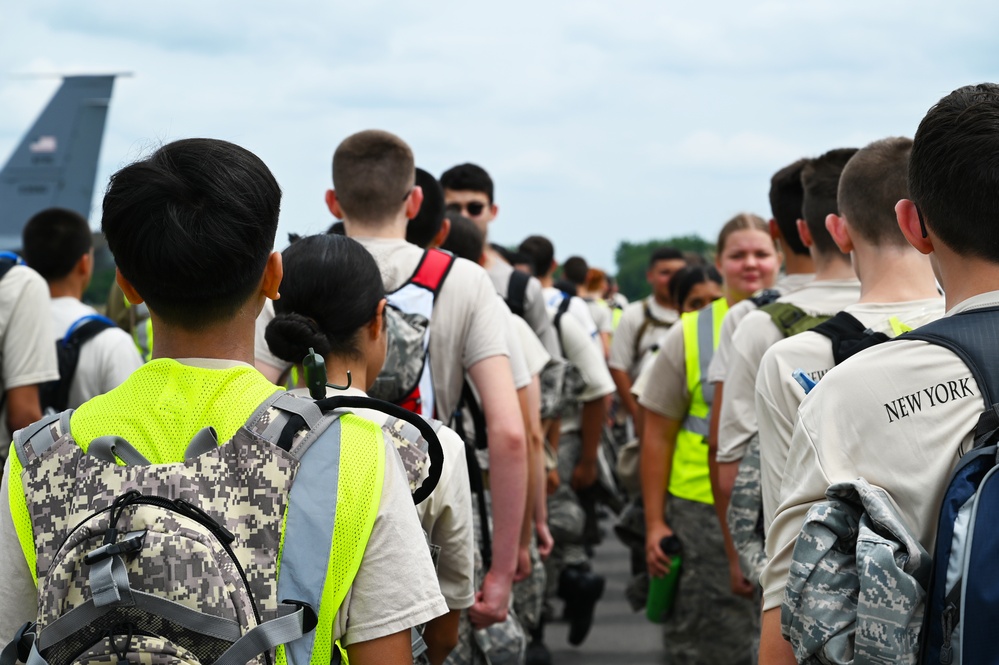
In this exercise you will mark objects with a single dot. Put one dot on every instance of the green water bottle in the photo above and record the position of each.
(662, 590)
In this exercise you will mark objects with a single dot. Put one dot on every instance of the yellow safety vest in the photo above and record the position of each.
(689, 477)
(163, 404)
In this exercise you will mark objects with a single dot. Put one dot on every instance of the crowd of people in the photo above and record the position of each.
(396, 441)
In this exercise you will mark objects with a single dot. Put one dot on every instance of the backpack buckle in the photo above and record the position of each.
(131, 543)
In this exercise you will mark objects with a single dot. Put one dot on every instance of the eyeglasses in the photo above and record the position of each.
(470, 209)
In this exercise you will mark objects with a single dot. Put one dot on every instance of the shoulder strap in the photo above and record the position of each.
(55, 394)
(791, 319)
(433, 269)
(765, 297)
(563, 307)
(516, 291)
(848, 335)
(648, 319)
(32, 441)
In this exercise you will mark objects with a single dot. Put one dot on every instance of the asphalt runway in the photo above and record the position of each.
(618, 634)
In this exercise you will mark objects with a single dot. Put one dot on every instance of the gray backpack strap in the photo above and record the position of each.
(111, 448)
(206, 440)
(273, 417)
(32, 441)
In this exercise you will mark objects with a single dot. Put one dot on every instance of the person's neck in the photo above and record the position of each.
(230, 340)
(547, 281)
(659, 301)
(67, 288)
(489, 257)
(829, 267)
(798, 264)
(893, 274)
(393, 229)
(337, 368)
(964, 276)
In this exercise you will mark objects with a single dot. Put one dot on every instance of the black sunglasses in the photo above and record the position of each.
(473, 208)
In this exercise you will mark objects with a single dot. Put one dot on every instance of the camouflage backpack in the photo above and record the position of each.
(561, 382)
(405, 377)
(116, 545)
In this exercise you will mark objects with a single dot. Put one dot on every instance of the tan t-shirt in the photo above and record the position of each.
(662, 387)
(897, 415)
(536, 356)
(535, 312)
(622, 351)
(579, 351)
(718, 369)
(756, 334)
(27, 351)
(601, 315)
(778, 395)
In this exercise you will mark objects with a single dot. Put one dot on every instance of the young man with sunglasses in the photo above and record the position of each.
(468, 190)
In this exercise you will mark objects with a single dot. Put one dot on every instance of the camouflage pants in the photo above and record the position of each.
(745, 514)
(529, 594)
(709, 625)
(566, 517)
(507, 636)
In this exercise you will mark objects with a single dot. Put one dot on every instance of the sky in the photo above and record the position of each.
(599, 122)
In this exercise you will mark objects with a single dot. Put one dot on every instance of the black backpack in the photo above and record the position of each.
(54, 395)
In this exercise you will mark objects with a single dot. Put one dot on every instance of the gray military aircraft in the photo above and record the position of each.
(55, 164)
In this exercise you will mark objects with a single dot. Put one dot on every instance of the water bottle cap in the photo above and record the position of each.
(671, 545)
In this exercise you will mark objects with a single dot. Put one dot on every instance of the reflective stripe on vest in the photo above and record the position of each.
(689, 477)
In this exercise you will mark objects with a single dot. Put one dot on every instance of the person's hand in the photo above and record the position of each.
(491, 602)
(545, 540)
(584, 475)
(740, 585)
(523, 564)
(655, 558)
(553, 482)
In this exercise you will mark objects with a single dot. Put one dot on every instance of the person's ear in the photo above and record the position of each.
(913, 227)
(804, 233)
(377, 324)
(127, 288)
(85, 266)
(333, 203)
(442, 234)
(273, 273)
(774, 229)
(840, 232)
(413, 202)
(493, 211)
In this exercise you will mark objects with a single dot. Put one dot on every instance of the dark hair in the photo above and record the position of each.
(665, 253)
(464, 239)
(331, 289)
(686, 278)
(565, 286)
(422, 229)
(54, 240)
(508, 255)
(786, 198)
(337, 228)
(574, 269)
(468, 177)
(873, 181)
(191, 227)
(540, 254)
(820, 181)
(954, 170)
(373, 171)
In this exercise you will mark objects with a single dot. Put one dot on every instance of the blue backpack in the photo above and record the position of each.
(963, 597)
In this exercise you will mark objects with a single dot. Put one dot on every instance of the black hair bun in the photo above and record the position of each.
(291, 335)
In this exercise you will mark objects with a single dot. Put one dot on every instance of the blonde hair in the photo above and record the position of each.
(744, 221)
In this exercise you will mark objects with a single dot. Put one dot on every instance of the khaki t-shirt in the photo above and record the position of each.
(778, 395)
(536, 356)
(898, 415)
(662, 387)
(467, 325)
(756, 334)
(601, 315)
(622, 352)
(535, 312)
(718, 369)
(27, 351)
(579, 351)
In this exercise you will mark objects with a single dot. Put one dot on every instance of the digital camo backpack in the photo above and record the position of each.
(405, 377)
(116, 546)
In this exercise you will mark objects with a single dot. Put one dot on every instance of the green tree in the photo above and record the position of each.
(632, 260)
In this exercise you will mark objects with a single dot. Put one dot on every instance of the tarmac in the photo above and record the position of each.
(618, 634)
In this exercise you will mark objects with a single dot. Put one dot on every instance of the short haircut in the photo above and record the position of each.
(422, 229)
(54, 240)
(786, 199)
(873, 181)
(574, 269)
(665, 253)
(464, 240)
(685, 279)
(540, 253)
(337, 228)
(954, 170)
(820, 180)
(191, 228)
(331, 289)
(373, 172)
(468, 177)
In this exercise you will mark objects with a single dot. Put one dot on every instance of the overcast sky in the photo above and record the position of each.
(599, 121)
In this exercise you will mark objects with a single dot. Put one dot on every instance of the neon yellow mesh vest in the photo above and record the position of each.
(689, 477)
(165, 403)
